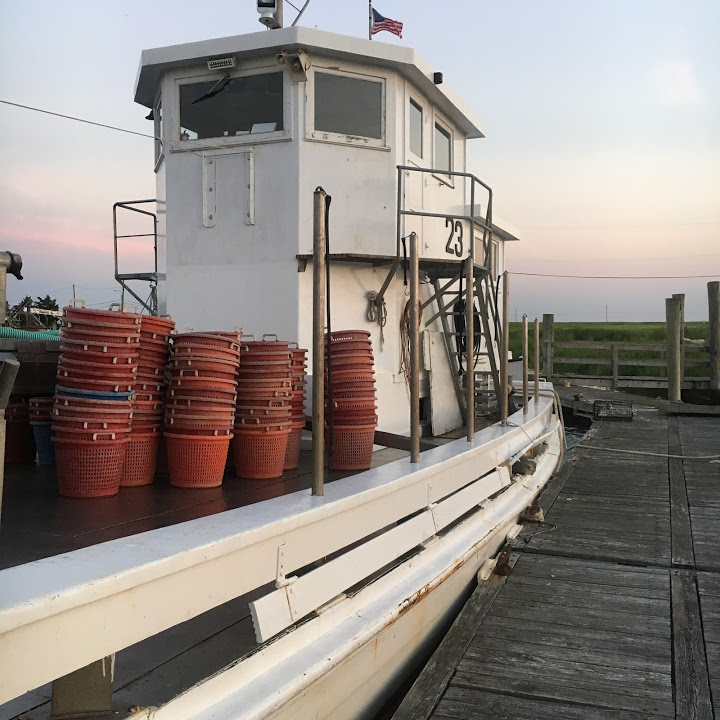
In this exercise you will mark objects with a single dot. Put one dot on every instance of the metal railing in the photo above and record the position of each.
(151, 303)
(472, 217)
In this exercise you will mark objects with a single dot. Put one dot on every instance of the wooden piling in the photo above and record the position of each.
(713, 289)
(548, 331)
(673, 320)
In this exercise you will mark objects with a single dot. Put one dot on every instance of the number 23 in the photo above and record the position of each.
(455, 227)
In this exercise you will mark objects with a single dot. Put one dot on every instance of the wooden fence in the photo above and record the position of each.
(677, 365)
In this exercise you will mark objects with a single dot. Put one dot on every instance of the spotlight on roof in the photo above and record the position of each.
(268, 10)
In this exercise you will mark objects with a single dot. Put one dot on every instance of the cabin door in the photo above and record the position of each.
(444, 409)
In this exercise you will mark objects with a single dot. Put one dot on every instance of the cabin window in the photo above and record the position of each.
(247, 105)
(416, 129)
(443, 149)
(348, 106)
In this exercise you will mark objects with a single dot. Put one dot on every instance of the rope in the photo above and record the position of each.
(376, 312)
(650, 454)
(405, 338)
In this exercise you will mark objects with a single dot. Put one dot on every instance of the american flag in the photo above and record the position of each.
(383, 23)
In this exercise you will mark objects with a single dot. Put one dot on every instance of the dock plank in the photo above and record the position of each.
(469, 704)
(613, 609)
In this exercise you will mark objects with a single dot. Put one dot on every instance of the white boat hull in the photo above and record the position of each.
(347, 662)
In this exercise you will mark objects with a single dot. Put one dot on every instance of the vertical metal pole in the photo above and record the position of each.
(536, 387)
(525, 363)
(279, 13)
(505, 348)
(400, 224)
(318, 399)
(470, 348)
(470, 324)
(414, 332)
(370, 20)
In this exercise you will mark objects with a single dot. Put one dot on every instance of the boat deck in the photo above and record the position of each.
(38, 523)
(613, 607)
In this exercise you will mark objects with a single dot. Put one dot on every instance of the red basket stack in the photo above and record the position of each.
(351, 389)
(147, 401)
(262, 415)
(298, 368)
(19, 440)
(92, 412)
(200, 407)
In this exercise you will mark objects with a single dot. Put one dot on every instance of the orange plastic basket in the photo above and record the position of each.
(292, 451)
(196, 461)
(89, 469)
(140, 459)
(352, 447)
(150, 323)
(260, 454)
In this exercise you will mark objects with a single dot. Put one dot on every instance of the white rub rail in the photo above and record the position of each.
(62, 613)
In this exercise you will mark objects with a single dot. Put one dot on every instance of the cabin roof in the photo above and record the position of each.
(155, 62)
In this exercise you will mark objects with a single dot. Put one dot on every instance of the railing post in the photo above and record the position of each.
(536, 387)
(673, 322)
(525, 363)
(414, 332)
(615, 365)
(681, 298)
(713, 289)
(505, 343)
(548, 327)
(318, 398)
(470, 348)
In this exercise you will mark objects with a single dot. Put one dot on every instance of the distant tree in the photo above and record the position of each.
(46, 303)
(25, 300)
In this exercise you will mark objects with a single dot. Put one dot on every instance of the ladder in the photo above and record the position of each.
(448, 298)
(150, 304)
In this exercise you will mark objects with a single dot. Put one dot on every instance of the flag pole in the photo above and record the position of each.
(370, 19)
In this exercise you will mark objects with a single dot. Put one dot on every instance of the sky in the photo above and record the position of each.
(602, 144)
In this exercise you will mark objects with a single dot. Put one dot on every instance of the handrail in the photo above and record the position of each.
(172, 574)
(129, 205)
(472, 218)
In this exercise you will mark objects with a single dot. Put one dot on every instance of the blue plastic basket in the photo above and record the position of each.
(94, 394)
(43, 441)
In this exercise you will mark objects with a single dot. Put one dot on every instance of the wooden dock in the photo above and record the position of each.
(613, 606)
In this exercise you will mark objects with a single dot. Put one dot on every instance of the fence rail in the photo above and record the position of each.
(676, 365)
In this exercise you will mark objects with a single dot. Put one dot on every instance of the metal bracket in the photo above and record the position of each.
(431, 506)
(280, 579)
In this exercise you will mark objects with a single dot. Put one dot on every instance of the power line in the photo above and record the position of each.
(617, 277)
(171, 143)
(618, 227)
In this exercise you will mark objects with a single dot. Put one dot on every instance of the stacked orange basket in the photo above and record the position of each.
(200, 407)
(298, 368)
(147, 401)
(351, 409)
(262, 415)
(92, 413)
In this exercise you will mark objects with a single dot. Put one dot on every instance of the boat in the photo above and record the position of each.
(350, 589)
